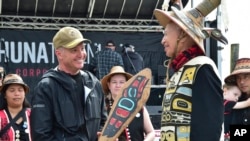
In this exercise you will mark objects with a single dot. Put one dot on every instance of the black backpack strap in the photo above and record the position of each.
(12, 122)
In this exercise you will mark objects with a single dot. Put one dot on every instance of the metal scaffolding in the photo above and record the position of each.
(83, 24)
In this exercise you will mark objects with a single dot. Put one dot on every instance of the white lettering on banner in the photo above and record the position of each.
(34, 52)
(52, 52)
(25, 52)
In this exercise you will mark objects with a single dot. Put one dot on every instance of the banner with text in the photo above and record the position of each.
(30, 53)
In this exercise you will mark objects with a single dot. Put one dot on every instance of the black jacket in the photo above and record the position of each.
(55, 113)
(133, 62)
(241, 116)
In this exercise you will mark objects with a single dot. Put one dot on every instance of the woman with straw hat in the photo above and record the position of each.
(141, 127)
(14, 110)
(192, 107)
(241, 77)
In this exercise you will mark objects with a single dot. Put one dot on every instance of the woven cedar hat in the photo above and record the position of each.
(13, 79)
(190, 21)
(114, 70)
(242, 66)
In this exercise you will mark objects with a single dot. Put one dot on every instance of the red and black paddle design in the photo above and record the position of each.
(127, 104)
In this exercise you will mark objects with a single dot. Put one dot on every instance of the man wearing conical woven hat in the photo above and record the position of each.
(192, 108)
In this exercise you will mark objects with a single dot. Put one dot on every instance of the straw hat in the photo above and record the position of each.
(242, 66)
(13, 79)
(114, 70)
(191, 21)
(68, 37)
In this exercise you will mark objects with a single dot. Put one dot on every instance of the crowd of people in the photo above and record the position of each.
(73, 104)
(68, 102)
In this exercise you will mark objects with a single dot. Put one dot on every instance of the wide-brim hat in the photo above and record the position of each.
(190, 21)
(242, 66)
(114, 70)
(68, 37)
(13, 79)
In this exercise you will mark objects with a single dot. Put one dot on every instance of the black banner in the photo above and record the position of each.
(30, 53)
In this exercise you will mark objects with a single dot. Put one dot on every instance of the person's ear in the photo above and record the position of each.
(59, 52)
(183, 37)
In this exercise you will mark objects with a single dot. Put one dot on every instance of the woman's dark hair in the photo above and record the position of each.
(3, 102)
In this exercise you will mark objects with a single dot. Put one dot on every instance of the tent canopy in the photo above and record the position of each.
(86, 15)
(121, 9)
